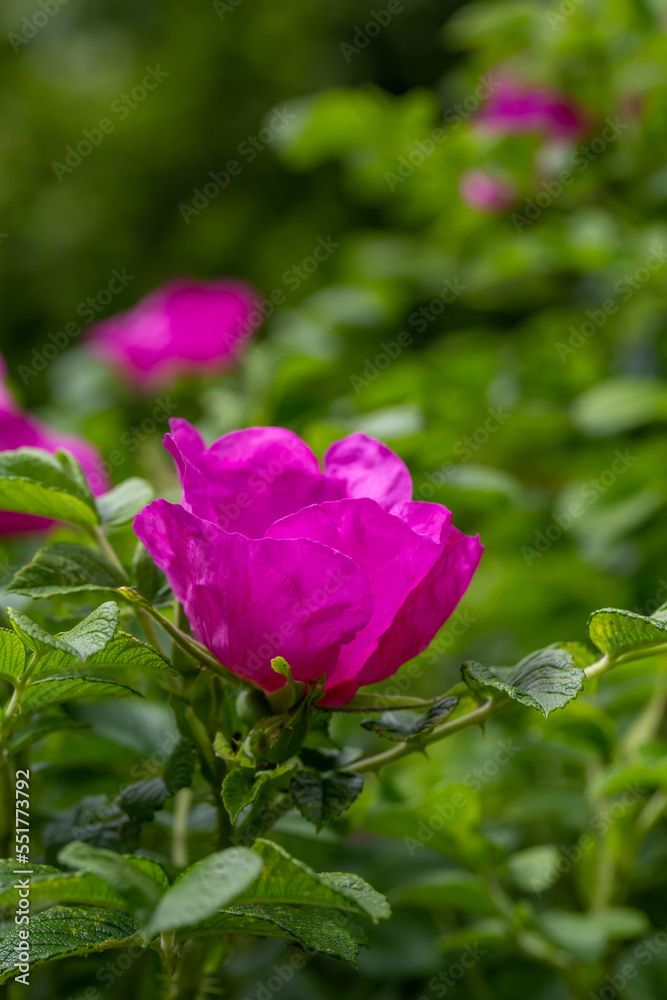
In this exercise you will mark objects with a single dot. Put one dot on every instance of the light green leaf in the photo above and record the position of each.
(12, 655)
(320, 796)
(50, 690)
(122, 651)
(129, 879)
(33, 481)
(65, 930)
(66, 568)
(121, 503)
(90, 635)
(448, 889)
(287, 880)
(546, 679)
(534, 869)
(312, 928)
(204, 888)
(620, 404)
(401, 729)
(619, 633)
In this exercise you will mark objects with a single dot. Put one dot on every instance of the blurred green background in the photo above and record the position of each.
(514, 397)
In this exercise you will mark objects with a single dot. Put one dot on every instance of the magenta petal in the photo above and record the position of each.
(248, 479)
(368, 468)
(426, 609)
(430, 519)
(249, 600)
(394, 558)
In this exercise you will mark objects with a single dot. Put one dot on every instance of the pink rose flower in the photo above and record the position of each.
(184, 327)
(338, 571)
(19, 429)
(516, 108)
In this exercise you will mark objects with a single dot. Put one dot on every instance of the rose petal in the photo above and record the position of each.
(248, 479)
(368, 468)
(249, 600)
(393, 556)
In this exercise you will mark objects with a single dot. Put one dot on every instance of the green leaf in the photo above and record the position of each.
(320, 796)
(618, 632)
(370, 701)
(130, 880)
(122, 651)
(65, 887)
(90, 635)
(121, 503)
(534, 869)
(449, 889)
(287, 880)
(66, 568)
(142, 799)
(204, 888)
(275, 738)
(398, 729)
(241, 787)
(65, 930)
(50, 690)
(33, 481)
(546, 679)
(12, 655)
(314, 929)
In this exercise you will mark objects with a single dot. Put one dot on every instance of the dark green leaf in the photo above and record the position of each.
(121, 503)
(241, 787)
(320, 796)
(400, 729)
(204, 888)
(66, 568)
(65, 930)
(142, 799)
(546, 679)
(618, 632)
(316, 930)
(148, 579)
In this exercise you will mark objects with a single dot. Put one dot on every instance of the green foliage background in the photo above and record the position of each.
(504, 345)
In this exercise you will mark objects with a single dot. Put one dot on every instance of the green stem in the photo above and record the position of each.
(179, 830)
(107, 549)
(474, 718)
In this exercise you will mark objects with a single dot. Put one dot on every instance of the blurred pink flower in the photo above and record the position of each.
(481, 191)
(19, 429)
(516, 108)
(181, 328)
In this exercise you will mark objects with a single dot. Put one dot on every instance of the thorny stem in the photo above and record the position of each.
(477, 716)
